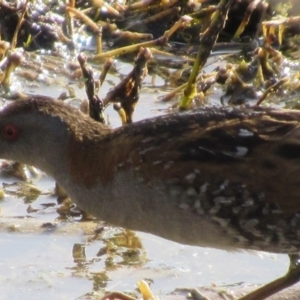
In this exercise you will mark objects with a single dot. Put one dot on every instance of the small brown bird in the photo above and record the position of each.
(225, 178)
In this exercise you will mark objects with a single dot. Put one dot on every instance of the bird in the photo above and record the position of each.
(220, 177)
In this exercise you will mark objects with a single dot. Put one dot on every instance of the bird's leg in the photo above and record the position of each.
(291, 277)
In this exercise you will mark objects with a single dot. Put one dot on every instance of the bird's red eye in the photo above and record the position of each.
(10, 132)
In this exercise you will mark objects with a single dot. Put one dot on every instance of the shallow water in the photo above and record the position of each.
(38, 262)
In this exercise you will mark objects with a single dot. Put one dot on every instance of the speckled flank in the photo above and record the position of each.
(217, 171)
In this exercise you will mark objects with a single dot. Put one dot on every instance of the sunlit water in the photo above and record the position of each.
(38, 263)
